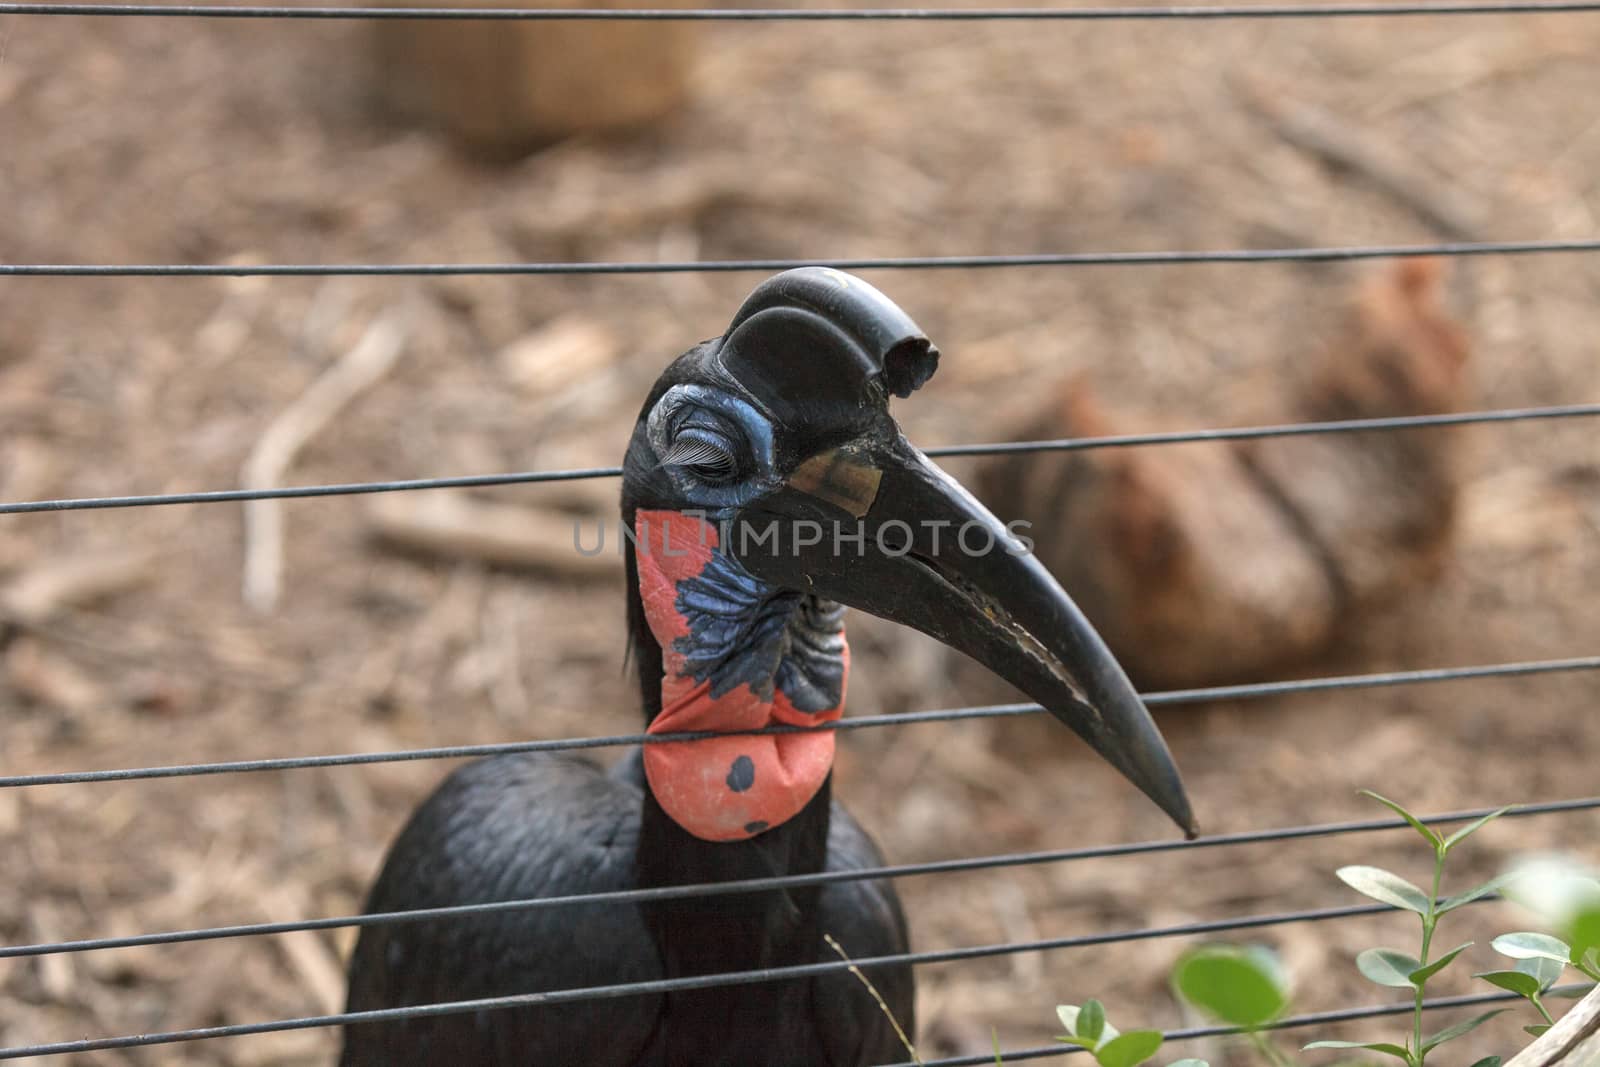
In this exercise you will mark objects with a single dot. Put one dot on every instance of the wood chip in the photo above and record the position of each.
(50, 679)
(319, 971)
(46, 589)
(562, 353)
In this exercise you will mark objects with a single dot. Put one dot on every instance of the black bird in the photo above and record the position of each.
(766, 486)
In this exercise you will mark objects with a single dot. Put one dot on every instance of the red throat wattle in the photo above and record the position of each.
(720, 788)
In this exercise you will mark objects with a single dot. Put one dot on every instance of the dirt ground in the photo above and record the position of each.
(128, 140)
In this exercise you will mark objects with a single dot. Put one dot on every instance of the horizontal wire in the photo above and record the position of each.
(1054, 14)
(1341, 1015)
(964, 865)
(717, 266)
(861, 722)
(1292, 429)
(708, 981)
(1075, 444)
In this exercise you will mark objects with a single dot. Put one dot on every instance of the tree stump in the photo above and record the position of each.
(503, 88)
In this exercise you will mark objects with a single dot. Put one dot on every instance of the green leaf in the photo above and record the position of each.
(1130, 1049)
(1527, 945)
(1091, 1021)
(1467, 831)
(1416, 824)
(1518, 982)
(1450, 1033)
(1537, 1029)
(1068, 1014)
(1388, 967)
(1075, 1042)
(1240, 987)
(1584, 929)
(1386, 886)
(1488, 1061)
(1566, 895)
(1427, 971)
(1493, 885)
(1372, 1046)
(1546, 971)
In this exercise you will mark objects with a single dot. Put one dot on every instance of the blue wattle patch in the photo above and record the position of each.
(743, 631)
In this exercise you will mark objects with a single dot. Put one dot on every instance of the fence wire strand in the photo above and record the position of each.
(860, 722)
(1293, 1022)
(1076, 444)
(902, 14)
(661, 986)
(722, 266)
(965, 865)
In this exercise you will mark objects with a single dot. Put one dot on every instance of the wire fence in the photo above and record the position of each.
(795, 881)
(1075, 444)
(723, 980)
(1346, 254)
(781, 882)
(904, 14)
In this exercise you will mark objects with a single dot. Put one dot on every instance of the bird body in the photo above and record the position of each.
(762, 485)
(477, 840)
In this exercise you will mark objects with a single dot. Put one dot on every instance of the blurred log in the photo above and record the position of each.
(1574, 1041)
(504, 88)
(458, 526)
(1214, 563)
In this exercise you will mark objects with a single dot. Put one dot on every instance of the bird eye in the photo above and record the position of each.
(705, 452)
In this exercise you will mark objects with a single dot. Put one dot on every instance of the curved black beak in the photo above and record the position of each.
(875, 525)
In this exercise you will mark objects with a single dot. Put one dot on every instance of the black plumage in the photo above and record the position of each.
(517, 827)
(782, 422)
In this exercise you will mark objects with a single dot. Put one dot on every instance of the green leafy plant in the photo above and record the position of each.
(1245, 988)
(1088, 1028)
(1568, 898)
(1401, 970)
(1237, 986)
(1533, 974)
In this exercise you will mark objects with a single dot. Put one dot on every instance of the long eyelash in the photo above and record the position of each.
(689, 452)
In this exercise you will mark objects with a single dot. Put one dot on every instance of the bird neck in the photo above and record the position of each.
(731, 653)
(717, 650)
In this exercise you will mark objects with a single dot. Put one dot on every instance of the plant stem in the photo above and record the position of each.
(1269, 1052)
(1540, 1005)
(1429, 921)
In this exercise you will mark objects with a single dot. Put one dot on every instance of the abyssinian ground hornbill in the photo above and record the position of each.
(767, 487)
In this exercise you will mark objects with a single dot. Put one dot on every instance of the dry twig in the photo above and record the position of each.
(1344, 145)
(358, 370)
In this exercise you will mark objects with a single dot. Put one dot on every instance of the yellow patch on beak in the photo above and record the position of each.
(837, 477)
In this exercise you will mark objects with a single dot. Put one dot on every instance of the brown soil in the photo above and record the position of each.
(170, 141)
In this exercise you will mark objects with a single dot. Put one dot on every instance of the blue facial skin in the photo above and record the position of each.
(747, 429)
(743, 630)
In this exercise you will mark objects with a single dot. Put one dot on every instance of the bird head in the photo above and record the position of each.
(779, 435)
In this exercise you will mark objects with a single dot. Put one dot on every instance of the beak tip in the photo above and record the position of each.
(1178, 810)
